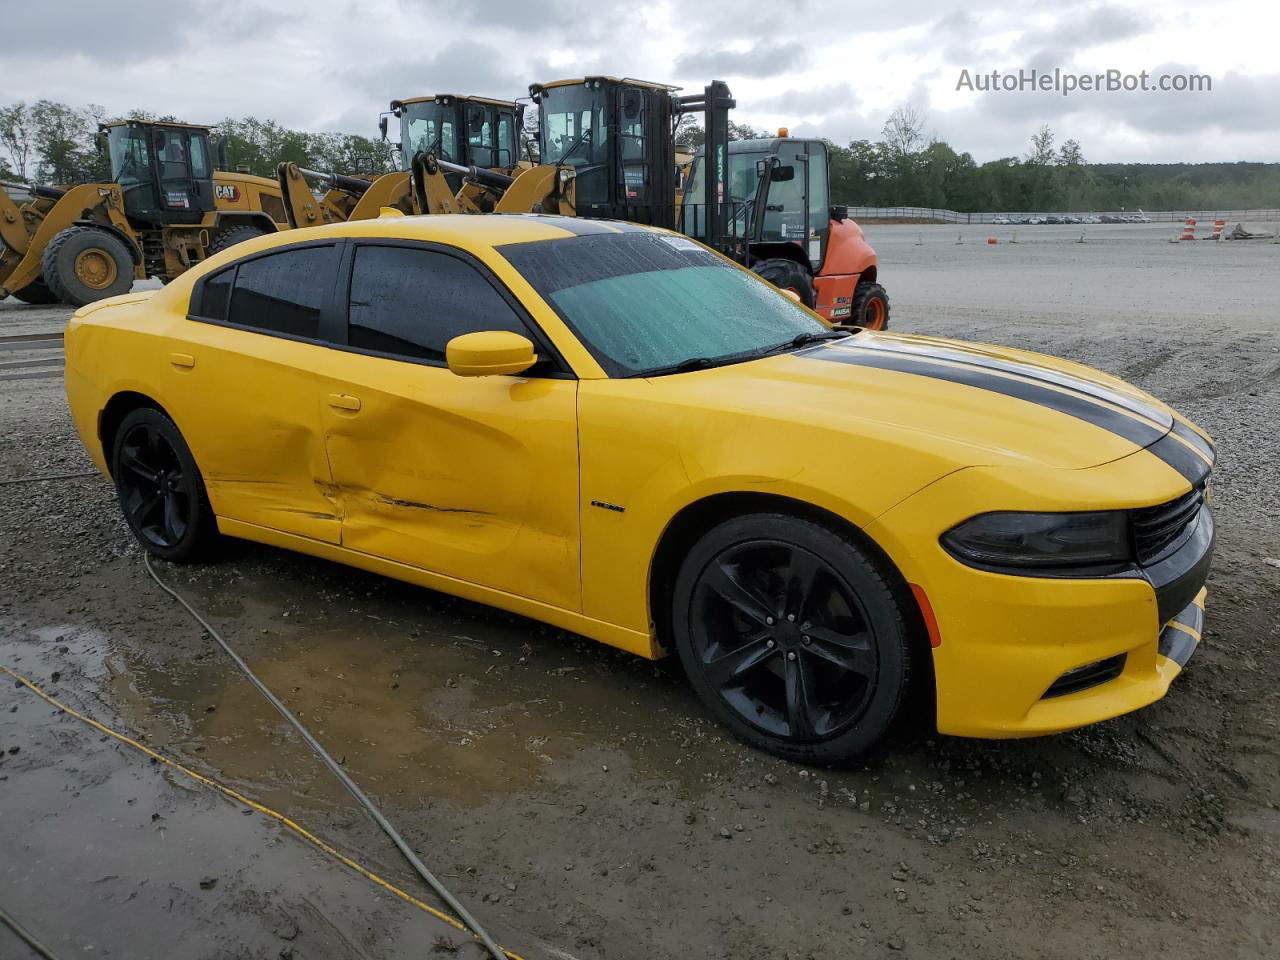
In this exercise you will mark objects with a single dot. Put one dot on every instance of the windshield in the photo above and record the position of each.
(644, 302)
(130, 155)
(572, 126)
(428, 127)
(741, 190)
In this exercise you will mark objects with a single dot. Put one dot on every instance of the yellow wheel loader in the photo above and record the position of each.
(459, 155)
(164, 210)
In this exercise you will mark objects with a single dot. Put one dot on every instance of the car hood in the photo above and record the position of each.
(973, 403)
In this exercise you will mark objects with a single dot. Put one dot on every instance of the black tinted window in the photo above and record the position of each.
(282, 293)
(214, 295)
(413, 302)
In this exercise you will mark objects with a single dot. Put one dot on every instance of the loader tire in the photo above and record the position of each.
(230, 237)
(870, 306)
(36, 293)
(788, 275)
(84, 264)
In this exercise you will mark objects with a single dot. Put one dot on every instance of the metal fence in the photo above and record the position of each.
(936, 215)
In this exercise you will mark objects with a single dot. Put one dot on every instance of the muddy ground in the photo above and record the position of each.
(579, 799)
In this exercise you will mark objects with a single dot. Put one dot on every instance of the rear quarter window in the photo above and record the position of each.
(282, 292)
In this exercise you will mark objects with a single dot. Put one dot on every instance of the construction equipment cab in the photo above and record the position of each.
(617, 135)
(777, 219)
(164, 210)
(478, 133)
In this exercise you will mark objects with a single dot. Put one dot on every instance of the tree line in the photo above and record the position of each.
(50, 142)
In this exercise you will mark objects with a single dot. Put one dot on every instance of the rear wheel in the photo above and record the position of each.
(231, 236)
(870, 306)
(788, 275)
(160, 488)
(793, 637)
(84, 264)
(36, 293)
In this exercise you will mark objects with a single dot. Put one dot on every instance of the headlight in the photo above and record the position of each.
(1078, 544)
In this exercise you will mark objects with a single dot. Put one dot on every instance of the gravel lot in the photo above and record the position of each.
(580, 800)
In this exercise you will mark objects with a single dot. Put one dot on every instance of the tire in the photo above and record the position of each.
(84, 264)
(160, 488)
(36, 293)
(788, 275)
(229, 237)
(820, 683)
(870, 306)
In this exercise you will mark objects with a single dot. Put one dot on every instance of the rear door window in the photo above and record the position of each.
(411, 302)
(283, 292)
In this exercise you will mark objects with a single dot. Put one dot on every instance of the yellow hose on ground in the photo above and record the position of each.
(238, 797)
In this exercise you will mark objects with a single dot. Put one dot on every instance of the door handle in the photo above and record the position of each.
(184, 360)
(344, 401)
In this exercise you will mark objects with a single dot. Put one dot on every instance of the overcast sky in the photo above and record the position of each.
(833, 69)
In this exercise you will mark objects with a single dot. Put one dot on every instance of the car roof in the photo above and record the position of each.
(465, 230)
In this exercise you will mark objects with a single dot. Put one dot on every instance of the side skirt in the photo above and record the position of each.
(641, 644)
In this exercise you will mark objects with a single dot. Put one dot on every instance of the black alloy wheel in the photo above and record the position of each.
(160, 488)
(793, 637)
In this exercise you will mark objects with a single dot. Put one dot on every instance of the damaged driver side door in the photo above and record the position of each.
(474, 478)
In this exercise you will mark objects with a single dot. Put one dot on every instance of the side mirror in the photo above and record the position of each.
(782, 174)
(490, 353)
(382, 127)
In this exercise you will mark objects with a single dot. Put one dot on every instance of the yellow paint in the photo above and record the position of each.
(482, 486)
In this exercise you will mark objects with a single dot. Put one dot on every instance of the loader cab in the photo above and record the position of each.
(164, 170)
(617, 136)
(474, 131)
(777, 193)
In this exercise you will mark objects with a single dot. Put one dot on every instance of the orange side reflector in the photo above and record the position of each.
(926, 611)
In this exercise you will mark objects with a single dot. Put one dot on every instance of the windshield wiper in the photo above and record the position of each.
(804, 339)
(684, 366)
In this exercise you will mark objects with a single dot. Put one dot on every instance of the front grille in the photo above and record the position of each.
(1156, 529)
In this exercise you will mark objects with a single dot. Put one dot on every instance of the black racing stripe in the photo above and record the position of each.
(577, 226)
(1138, 432)
(1029, 370)
(1177, 645)
(1182, 458)
(1121, 424)
(1197, 441)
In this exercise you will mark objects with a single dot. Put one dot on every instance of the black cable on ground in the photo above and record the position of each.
(55, 476)
(441, 890)
(25, 935)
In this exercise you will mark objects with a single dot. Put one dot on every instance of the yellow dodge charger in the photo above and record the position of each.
(614, 430)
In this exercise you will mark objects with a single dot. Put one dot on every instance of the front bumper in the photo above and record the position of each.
(1025, 656)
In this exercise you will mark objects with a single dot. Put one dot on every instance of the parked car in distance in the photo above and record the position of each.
(1002, 220)
(1110, 218)
(615, 430)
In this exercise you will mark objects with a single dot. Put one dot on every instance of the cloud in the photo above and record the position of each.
(765, 59)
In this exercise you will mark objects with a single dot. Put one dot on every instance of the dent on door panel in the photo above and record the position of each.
(472, 478)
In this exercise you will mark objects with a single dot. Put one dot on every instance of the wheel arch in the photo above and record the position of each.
(228, 219)
(113, 413)
(131, 243)
(695, 519)
(780, 250)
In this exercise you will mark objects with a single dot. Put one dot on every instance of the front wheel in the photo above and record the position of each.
(85, 264)
(870, 306)
(793, 637)
(788, 275)
(160, 488)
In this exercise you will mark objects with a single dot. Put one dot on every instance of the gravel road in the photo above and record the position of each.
(580, 800)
